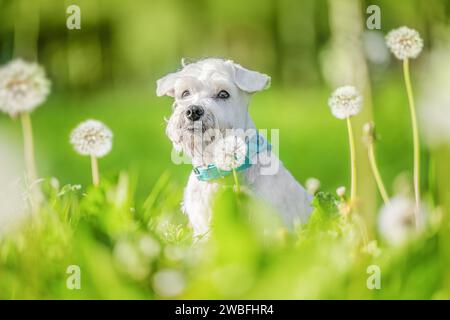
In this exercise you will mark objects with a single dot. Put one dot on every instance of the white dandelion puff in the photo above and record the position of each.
(23, 87)
(230, 152)
(345, 102)
(397, 220)
(341, 191)
(92, 138)
(405, 43)
(312, 185)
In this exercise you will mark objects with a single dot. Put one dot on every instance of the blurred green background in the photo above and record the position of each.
(107, 70)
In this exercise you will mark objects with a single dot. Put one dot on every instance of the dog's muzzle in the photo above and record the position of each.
(194, 113)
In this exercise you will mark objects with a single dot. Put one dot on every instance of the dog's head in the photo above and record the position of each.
(211, 96)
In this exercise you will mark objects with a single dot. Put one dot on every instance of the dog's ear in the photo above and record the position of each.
(165, 85)
(250, 81)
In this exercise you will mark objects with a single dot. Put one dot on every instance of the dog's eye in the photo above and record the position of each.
(223, 95)
(185, 94)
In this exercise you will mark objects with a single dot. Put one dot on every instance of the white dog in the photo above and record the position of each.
(212, 95)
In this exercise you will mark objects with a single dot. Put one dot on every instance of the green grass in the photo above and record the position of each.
(127, 233)
(248, 255)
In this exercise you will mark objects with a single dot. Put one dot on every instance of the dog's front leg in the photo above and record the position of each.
(197, 203)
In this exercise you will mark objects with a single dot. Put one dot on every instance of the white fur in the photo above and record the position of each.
(204, 79)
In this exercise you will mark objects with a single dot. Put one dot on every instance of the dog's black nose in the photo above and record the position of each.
(194, 113)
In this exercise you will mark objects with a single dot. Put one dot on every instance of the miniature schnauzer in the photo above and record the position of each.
(212, 96)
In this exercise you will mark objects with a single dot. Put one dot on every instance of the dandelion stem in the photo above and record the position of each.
(352, 161)
(416, 141)
(376, 174)
(236, 181)
(95, 174)
(28, 146)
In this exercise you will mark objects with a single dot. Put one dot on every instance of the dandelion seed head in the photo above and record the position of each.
(230, 152)
(397, 220)
(345, 102)
(341, 191)
(92, 138)
(23, 87)
(312, 185)
(405, 43)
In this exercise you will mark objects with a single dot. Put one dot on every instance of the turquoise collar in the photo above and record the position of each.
(255, 145)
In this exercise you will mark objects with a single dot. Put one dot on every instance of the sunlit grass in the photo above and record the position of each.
(121, 248)
(130, 231)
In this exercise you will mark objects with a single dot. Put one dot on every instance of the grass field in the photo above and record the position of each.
(129, 238)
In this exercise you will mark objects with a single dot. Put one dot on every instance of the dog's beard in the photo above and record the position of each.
(195, 138)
